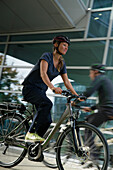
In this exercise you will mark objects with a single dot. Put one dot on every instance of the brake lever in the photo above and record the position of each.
(82, 97)
(64, 92)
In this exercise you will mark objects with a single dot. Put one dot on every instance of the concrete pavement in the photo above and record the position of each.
(28, 165)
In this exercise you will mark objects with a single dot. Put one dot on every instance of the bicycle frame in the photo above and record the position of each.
(72, 140)
(67, 112)
(28, 118)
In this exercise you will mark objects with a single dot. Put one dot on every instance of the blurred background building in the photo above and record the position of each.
(27, 28)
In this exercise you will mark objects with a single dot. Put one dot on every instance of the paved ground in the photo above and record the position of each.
(30, 165)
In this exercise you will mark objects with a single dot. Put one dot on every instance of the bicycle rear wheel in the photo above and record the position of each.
(12, 147)
(93, 151)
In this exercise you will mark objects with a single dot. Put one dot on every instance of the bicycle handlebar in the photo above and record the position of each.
(67, 93)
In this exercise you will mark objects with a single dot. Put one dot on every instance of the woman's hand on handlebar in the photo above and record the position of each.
(87, 109)
(57, 90)
(81, 100)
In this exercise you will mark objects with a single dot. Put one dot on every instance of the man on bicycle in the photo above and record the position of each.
(104, 87)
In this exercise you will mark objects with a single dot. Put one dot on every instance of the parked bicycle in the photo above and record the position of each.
(79, 144)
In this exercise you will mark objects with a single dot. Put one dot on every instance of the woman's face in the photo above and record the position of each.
(63, 47)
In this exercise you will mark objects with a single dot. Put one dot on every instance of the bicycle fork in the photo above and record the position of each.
(75, 132)
(75, 135)
(80, 152)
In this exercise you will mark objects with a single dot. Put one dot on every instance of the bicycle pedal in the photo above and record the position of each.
(40, 159)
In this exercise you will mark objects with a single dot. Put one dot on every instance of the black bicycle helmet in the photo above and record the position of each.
(60, 39)
(99, 67)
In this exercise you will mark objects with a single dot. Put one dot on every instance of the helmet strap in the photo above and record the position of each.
(57, 49)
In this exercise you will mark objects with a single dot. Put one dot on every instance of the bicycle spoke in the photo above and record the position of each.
(9, 124)
(12, 145)
(50, 152)
(91, 155)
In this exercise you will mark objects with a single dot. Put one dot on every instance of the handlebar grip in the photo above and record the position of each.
(82, 97)
(53, 91)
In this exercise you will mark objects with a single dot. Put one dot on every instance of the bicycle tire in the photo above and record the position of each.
(12, 148)
(67, 157)
(107, 131)
(49, 152)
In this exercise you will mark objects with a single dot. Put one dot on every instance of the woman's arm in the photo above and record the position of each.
(45, 78)
(68, 84)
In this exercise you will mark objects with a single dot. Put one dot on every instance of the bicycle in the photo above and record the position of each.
(72, 148)
(107, 129)
(13, 115)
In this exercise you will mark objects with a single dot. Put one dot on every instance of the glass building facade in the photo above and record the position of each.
(93, 44)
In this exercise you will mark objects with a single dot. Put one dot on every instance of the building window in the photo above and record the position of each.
(3, 38)
(49, 36)
(110, 54)
(102, 4)
(85, 53)
(29, 52)
(99, 24)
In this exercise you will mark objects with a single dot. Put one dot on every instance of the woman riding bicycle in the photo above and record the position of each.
(49, 66)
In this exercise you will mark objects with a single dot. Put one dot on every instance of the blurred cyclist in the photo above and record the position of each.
(104, 86)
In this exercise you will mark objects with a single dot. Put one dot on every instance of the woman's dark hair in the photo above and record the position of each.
(60, 63)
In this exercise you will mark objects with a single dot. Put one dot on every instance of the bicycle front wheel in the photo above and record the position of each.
(92, 149)
(12, 146)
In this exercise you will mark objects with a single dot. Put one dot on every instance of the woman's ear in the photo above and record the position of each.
(56, 44)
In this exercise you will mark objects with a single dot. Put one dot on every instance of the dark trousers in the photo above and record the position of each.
(103, 115)
(42, 118)
(96, 119)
